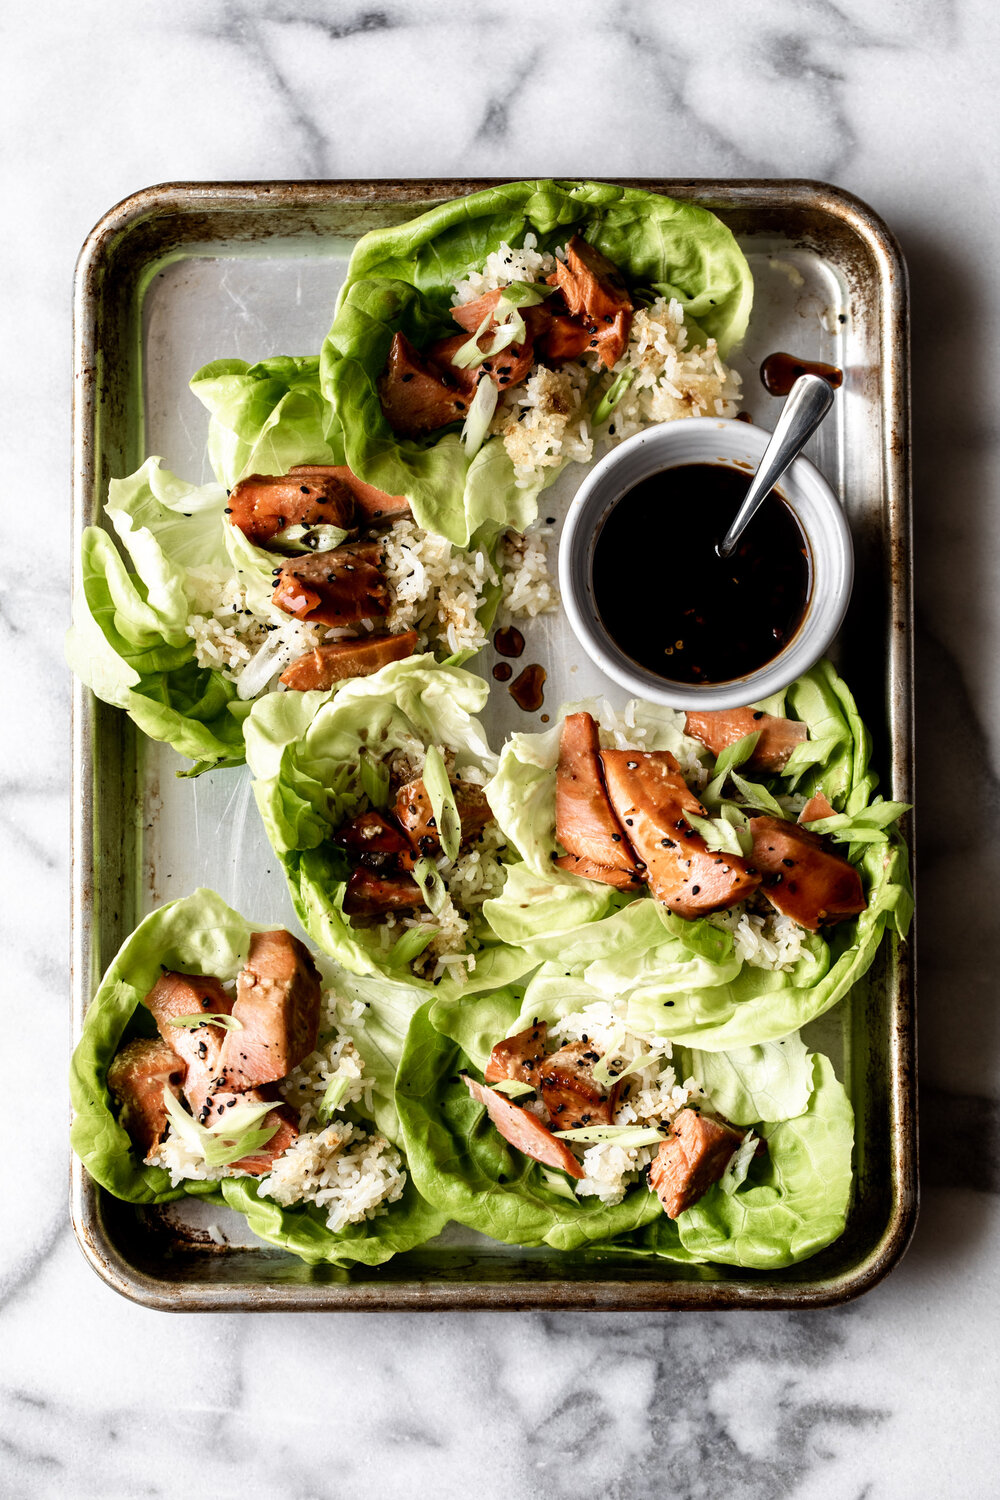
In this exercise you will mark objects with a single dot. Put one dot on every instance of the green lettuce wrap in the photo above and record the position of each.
(200, 934)
(129, 641)
(769, 1210)
(308, 753)
(401, 279)
(683, 979)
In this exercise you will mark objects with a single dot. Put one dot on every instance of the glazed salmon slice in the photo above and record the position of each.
(524, 1131)
(138, 1074)
(569, 1091)
(339, 660)
(519, 1057)
(622, 880)
(281, 1120)
(416, 395)
(370, 893)
(802, 877)
(374, 507)
(816, 807)
(175, 995)
(723, 727)
(564, 339)
(586, 823)
(372, 838)
(692, 1157)
(414, 813)
(596, 295)
(277, 1005)
(263, 505)
(652, 801)
(509, 367)
(340, 587)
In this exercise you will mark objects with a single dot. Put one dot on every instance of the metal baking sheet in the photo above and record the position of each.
(181, 274)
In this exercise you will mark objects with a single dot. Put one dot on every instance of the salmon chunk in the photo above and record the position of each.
(508, 367)
(415, 814)
(373, 506)
(277, 1004)
(586, 823)
(524, 1131)
(339, 660)
(569, 1092)
(372, 838)
(693, 1156)
(802, 877)
(564, 339)
(281, 1120)
(175, 995)
(622, 880)
(262, 505)
(416, 395)
(724, 726)
(595, 294)
(652, 800)
(816, 807)
(138, 1074)
(370, 893)
(340, 587)
(519, 1057)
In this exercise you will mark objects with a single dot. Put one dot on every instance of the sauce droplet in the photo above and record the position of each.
(545, 718)
(780, 371)
(509, 641)
(503, 671)
(526, 690)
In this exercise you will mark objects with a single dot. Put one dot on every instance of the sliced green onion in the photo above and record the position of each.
(207, 1018)
(738, 1164)
(717, 832)
(620, 1135)
(322, 537)
(409, 946)
(234, 1135)
(480, 415)
(446, 819)
(558, 1184)
(425, 873)
(331, 1100)
(737, 753)
(758, 796)
(512, 1087)
(611, 397)
(374, 780)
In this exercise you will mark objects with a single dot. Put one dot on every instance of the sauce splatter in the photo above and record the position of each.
(509, 641)
(780, 371)
(527, 689)
(503, 671)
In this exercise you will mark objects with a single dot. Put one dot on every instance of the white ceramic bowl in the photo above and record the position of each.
(700, 440)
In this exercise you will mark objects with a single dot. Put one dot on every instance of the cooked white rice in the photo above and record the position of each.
(502, 266)
(343, 1168)
(764, 940)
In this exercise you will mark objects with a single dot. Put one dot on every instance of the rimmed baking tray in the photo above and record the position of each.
(180, 274)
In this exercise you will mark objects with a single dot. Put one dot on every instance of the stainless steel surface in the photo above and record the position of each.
(181, 274)
(808, 402)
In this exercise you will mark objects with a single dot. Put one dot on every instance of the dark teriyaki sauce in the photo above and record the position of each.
(676, 607)
(780, 371)
(509, 641)
(527, 689)
(503, 671)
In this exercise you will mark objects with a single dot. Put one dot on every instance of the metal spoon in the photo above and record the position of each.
(808, 402)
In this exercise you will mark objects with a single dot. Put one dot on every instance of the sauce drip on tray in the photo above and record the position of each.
(526, 690)
(676, 607)
(509, 641)
(503, 671)
(780, 371)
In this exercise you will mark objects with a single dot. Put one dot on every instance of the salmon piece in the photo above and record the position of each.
(415, 815)
(370, 893)
(694, 1155)
(509, 367)
(138, 1074)
(339, 660)
(586, 824)
(594, 292)
(524, 1131)
(816, 807)
(802, 877)
(262, 505)
(277, 1004)
(281, 1120)
(724, 726)
(174, 995)
(378, 844)
(622, 880)
(569, 1092)
(416, 395)
(374, 507)
(341, 587)
(652, 800)
(519, 1057)
(564, 339)
(471, 314)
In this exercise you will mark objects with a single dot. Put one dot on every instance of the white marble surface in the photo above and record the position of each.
(894, 1396)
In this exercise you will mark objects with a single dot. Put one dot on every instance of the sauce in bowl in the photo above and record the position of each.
(672, 604)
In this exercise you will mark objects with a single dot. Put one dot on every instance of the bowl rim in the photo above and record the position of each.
(802, 486)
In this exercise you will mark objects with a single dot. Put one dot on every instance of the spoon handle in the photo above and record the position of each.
(808, 403)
